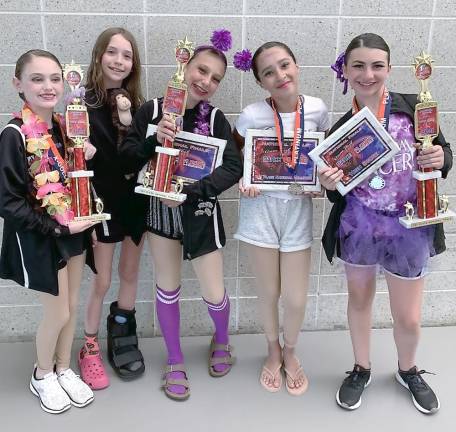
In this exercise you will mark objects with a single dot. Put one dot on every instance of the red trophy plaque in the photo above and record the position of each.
(77, 126)
(430, 208)
(159, 173)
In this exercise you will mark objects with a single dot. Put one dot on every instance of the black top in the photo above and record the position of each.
(109, 180)
(136, 151)
(404, 103)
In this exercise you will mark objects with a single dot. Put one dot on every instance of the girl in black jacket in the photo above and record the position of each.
(197, 223)
(364, 229)
(42, 250)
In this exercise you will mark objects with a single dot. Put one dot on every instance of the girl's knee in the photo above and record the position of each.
(128, 273)
(409, 324)
(101, 283)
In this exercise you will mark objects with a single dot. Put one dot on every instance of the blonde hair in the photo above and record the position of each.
(95, 74)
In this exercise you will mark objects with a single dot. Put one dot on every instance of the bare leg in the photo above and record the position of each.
(209, 271)
(266, 269)
(167, 258)
(405, 301)
(130, 256)
(294, 275)
(361, 293)
(103, 254)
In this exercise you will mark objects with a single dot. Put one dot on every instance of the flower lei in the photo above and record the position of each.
(50, 183)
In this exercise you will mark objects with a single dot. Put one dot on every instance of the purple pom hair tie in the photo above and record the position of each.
(221, 39)
(242, 60)
(338, 68)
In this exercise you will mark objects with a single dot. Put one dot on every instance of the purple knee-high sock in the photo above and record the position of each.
(220, 314)
(169, 318)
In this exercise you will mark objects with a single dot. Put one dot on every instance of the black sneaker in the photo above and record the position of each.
(423, 397)
(349, 394)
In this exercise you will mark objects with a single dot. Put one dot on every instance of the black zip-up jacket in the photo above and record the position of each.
(135, 151)
(33, 245)
(404, 103)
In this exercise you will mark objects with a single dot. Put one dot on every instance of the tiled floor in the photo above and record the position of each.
(237, 402)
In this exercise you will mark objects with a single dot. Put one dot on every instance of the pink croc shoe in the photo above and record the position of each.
(91, 366)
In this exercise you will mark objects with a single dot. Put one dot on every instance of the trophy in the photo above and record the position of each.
(159, 173)
(77, 126)
(430, 208)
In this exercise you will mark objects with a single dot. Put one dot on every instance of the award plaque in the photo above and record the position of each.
(77, 126)
(359, 147)
(264, 166)
(430, 208)
(157, 179)
(199, 155)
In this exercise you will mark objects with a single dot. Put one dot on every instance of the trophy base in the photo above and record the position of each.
(422, 176)
(416, 222)
(80, 173)
(96, 217)
(173, 196)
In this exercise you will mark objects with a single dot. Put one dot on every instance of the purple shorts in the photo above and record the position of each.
(369, 237)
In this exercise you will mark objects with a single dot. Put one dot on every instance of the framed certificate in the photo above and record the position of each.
(265, 169)
(359, 148)
(199, 155)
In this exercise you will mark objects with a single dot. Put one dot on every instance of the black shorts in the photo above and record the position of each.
(110, 231)
(198, 225)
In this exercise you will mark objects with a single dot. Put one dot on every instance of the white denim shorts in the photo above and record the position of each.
(276, 223)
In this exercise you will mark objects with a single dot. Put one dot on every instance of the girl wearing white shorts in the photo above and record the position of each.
(277, 226)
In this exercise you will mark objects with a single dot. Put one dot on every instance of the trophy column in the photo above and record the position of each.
(77, 126)
(430, 208)
(174, 104)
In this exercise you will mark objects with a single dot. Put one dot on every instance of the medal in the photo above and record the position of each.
(378, 182)
(296, 189)
(296, 147)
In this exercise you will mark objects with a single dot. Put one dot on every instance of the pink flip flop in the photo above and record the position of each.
(273, 376)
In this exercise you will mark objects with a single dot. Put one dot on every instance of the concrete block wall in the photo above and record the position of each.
(316, 31)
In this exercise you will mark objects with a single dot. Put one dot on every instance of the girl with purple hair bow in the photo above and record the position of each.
(363, 228)
(197, 222)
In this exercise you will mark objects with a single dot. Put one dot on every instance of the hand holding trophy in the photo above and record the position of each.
(157, 182)
(430, 208)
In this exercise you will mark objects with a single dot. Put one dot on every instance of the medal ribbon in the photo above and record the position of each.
(384, 108)
(298, 135)
(57, 162)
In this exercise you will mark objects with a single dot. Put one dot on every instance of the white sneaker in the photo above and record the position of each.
(52, 397)
(78, 391)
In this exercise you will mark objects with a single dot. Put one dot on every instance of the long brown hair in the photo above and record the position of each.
(95, 74)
